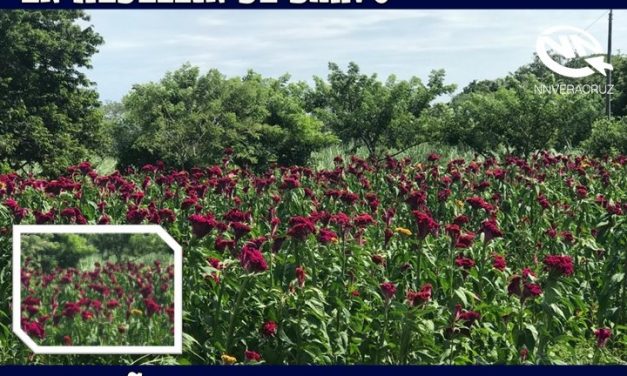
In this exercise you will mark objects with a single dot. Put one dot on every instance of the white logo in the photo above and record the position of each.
(570, 43)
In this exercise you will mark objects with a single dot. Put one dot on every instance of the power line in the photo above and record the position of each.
(597, 20)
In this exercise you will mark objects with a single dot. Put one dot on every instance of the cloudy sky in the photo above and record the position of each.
(142, 46)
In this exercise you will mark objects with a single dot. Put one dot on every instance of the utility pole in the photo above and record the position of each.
(608, 79)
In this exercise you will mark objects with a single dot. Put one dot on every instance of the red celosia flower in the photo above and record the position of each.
(326, 236)
(465, 240)
(422, 296)
(32, 310)
(189, 202)
(531, 290)
(426, 224)
(104, 220)
(170, 312)
(71, 309)
(416, 199)
(603, 335)
(363, 220)
(461, 220)
(523, 353)
(111, 304)
(32, 301)
(33, 328)
(514, 286)
(235, 215)
(136, 215)
(215, 263)
(269, 328)
(252, 356)
(567, 237)
(223, 244)
(526, 273)
(202, 224)
(433, 157)
(479, 203)
(444, 194)
(498, 262)
(582, 191)
(469, 317)
(561, 265)
(388, 289)
(87, 315)
(300, 275)
(43, 218)
(239, 229)
(464, 262)
(453, 231)
(341, 220)
(290, 182)
(378, 259)
(349, 197)
(252, 259)
(491, 229)
(301, 228)
(543, 201)
(152, 306)
(146, 290)
(96, 305)
(67, 341)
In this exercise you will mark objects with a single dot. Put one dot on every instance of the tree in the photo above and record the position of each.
(619, 78)
(49, 251)
(362, 109)
(188, 119)
(517, 116)
(608, 137)
(48, 109)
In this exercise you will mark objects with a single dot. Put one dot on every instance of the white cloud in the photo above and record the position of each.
(469, 44)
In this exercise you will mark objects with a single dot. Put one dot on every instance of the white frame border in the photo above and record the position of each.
(18, 230)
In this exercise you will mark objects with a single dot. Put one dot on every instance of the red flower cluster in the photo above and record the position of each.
(415, 298)
(252, 259)
(559, 264)
(388, 289)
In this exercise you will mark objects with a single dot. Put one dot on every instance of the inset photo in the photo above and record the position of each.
(97, 290)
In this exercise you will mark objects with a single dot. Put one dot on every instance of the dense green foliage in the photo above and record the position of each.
(49, 115)
(49, 251)
(378, 115)
(517, 116)
(608, 137)
(188, 119)
(48, 110)
(420, 260)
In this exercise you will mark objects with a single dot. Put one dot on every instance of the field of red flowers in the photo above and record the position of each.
(121, 304)
(399, 261)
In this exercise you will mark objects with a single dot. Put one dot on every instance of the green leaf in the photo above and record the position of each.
(557, 310)
(462, 295)
(532, 329)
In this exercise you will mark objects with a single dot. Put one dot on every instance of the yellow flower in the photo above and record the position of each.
(403, 231)
(136, 312)
(227, 359)
(459, 203)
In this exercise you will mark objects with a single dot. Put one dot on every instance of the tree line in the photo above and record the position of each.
(50, 114)
(49, 251)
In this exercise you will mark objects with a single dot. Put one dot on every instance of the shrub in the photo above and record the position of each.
(608, 137)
